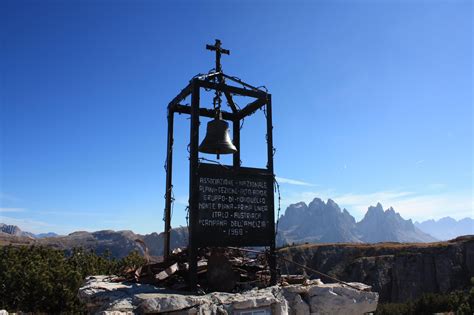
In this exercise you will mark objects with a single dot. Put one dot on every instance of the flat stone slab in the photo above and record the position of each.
(104, 296)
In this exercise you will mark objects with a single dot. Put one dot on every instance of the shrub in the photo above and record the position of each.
(459, 302)
(42, 279)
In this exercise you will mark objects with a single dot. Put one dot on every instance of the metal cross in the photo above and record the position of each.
(217, 48)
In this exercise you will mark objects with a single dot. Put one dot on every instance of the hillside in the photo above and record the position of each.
(398, 272)
(118, 243)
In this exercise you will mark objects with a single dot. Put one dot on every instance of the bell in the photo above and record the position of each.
(217, 140)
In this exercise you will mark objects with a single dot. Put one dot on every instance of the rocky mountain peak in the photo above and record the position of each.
(14, 230)
(299, 205)
(318, 206)
(384, 226)
(375, 211)
(10, 229)
(316, 203)
(318, 222)
(332, 205)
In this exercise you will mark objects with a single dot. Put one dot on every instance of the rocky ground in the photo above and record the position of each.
(102, 293)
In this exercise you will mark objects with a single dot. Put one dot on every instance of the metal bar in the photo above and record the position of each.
(272, 262)
(252, 107)
(236, 80)
(236, 142)
(169, 187)
(181, 96)
(231, 89)
(193, 183)
(231, 102)
(208, 76)
(224, 51)
(247, 250)
(205, 112)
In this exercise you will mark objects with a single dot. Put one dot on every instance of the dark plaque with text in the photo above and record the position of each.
(235, 207)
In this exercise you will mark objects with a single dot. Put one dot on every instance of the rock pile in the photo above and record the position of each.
(219, 269)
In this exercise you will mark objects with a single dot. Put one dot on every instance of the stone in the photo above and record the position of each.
(299, 306)
(104, 296)
(167, 272)
(162, 302)
(334, 298)
(101, 293)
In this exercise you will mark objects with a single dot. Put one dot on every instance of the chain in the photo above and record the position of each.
(277, 187)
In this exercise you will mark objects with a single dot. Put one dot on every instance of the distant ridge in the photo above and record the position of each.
(43, 235)
(317, 222)
(447, 228)
(16, 231)
(118, 243)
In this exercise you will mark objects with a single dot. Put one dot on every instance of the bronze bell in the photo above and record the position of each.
(217, 140)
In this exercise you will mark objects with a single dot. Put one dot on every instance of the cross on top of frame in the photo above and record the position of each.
(219, 50)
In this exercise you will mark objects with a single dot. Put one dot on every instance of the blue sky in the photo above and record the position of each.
(372, 103)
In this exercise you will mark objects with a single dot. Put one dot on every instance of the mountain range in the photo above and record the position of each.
(118, 243)
(317, 222)
(447, 228)
(321, 222)
(15, 230)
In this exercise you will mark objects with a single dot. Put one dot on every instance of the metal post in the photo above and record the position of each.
(271, 202)
(193, 183)
(169, 187)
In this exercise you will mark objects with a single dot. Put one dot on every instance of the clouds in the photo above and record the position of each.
(410, 204)
(7, 197)
(3, 210)
(282, 180)
(29, 225)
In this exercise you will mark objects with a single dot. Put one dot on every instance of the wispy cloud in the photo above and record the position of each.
(28, 225)
(66, 213)
(360, 202)
(38, 226)
(3, 210)
(182, 200)
(410, 204)
(290, 181)
(8, 197)
(436, 186)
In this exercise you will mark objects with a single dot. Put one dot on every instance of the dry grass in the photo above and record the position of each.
(380, 246)
(6, 239)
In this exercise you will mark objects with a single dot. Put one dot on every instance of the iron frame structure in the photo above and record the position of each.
(214, 81)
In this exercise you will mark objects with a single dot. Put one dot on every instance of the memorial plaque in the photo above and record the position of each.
(235, 207)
